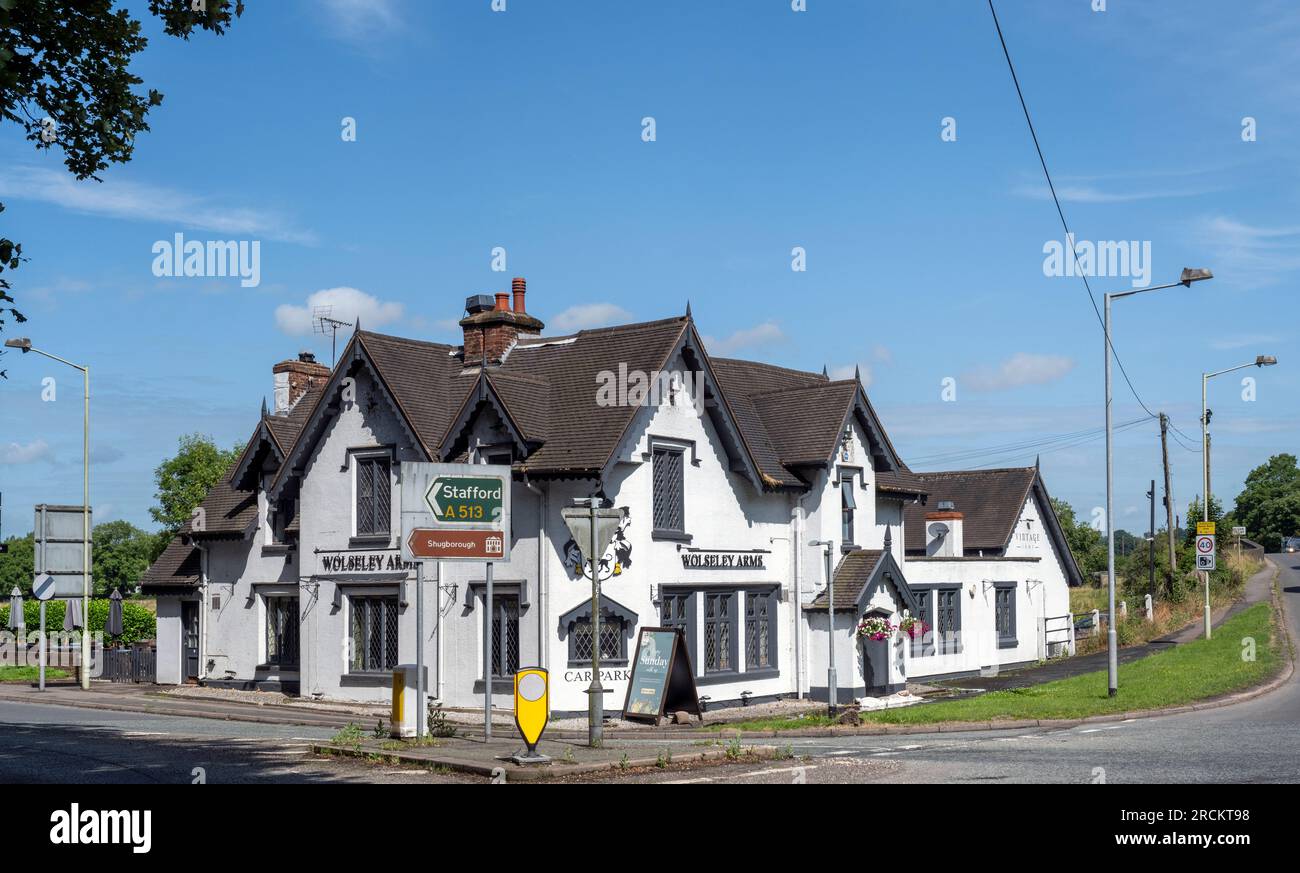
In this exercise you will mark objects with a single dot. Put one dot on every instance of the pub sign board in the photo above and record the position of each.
(663, 680)
(455, 512)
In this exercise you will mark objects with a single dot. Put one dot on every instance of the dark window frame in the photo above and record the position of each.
(1008, 590)
(939, 638)
(500, 623)
(720, 614)
(665, 507)
(361, 659)
(769, 600)
(282, 632)
(368, 518)
(848, 509)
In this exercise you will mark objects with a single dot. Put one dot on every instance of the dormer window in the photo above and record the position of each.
(373, 487)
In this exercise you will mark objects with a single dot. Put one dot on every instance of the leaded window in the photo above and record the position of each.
(374, 634)
(505, 635)
(1004, 612)
(923, 645)
(947, 620)
(669, 501)
(373, 496)
(719, 634)
(760, 636)
(611, 640)
(282, 631)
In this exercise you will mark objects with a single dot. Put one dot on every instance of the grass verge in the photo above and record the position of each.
(1192, 671)
(30, 674)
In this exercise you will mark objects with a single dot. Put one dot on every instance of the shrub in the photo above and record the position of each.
(138, 623)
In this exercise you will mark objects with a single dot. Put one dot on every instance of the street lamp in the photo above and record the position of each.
(1260, 361)
(25, 345)
(831, 691)
(1188, 276)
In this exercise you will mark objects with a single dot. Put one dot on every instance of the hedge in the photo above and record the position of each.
(138, 623)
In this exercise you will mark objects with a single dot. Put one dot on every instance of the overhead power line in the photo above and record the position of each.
(1061, 212)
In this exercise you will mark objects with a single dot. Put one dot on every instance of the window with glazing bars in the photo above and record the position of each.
(282, 631)
(669, 508)
(505, 636)
(947, 620)
(718, 632)
(611, 640)
(1004, 611)
(674, 611)
(924, 645)
(847, 506)
(374, 634)
(373, 496)
(760, 612)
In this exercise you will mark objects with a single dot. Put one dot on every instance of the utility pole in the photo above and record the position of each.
(1151, 550)
(1169, 500)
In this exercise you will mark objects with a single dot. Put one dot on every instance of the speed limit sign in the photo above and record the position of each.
(1205, 553)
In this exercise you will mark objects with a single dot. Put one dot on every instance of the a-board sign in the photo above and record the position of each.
(663, 680)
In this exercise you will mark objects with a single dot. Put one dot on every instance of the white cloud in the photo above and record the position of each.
(136, 201)
(347, 305)
(1093, 194)
(1241, 341)
(358, 21)
(767, 332)
(585, 316)
(15, 453)
(1022, 368)
(1250, 254)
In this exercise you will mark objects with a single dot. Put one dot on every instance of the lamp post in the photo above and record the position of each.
(1260, 361)
(1188, 276)
(25, 345)
(831, 691)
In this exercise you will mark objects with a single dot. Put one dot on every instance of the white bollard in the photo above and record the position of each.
(1096, 622)
(1151, 612)
(1071, 649)
(1123, 610)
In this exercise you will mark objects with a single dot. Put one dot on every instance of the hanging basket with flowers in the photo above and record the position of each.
(875, 627)
(912, 626)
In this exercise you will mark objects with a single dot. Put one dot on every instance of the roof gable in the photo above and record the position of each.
(857, 575)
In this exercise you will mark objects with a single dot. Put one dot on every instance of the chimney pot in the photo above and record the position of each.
(520, 287)
(503, 302)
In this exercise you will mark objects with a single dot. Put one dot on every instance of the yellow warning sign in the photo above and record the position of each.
(532, 704)
(1205, 528)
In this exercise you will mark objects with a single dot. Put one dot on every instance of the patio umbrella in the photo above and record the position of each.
(72, 614)
(17, 623)
(114, 626)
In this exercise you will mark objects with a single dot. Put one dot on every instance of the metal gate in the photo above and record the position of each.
(137, 664)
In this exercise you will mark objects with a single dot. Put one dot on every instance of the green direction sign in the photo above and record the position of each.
(470, 500)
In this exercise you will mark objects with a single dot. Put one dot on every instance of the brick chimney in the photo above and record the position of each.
(294, 378)
(497, 327)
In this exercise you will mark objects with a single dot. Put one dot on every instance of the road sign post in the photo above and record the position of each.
(456, 512)
(1205, 563)
(593, 529)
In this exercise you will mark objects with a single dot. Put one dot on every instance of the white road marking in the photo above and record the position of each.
(842, 752)
(768, 772)
(1090, 731)
(144, 733)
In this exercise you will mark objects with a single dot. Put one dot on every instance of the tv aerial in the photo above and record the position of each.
(323, 321)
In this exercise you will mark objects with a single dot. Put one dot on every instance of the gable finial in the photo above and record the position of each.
(826, 374)
(263, 406)
(857, 373)
(688, 308)
(1037, 459)
(358, 325)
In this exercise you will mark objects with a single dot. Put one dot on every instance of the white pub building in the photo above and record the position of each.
(290, 575)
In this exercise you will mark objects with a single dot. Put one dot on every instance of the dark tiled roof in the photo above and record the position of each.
(176, 567)
(902, 482)
(806, 424)
(990, 502)
(227, 511)
(851, 576)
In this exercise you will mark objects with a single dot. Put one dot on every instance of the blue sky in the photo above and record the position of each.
(774, 129)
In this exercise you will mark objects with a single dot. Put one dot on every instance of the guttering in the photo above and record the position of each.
(797, 543)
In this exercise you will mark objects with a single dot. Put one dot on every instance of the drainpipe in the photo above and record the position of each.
(203, 616)
(542, 641)
(797, 542)
(437, 629)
